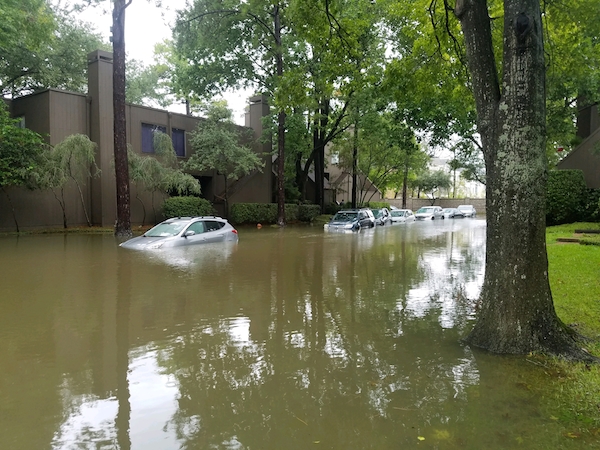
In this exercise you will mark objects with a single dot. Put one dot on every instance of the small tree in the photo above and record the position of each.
(161, 173)
(21, 155)
(216, 146)
(430, 182)
(73, 159)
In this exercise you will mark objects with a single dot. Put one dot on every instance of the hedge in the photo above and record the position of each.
(187, 207)
(566, 196)
(265, 213)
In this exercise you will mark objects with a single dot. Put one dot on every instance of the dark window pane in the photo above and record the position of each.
(178, 139)
(148, 136)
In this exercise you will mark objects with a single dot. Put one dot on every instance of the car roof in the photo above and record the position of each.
(189, 219)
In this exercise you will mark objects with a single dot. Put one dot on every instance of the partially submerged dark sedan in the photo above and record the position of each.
(351, 220)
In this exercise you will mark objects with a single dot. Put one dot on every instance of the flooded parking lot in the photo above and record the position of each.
(290, 339)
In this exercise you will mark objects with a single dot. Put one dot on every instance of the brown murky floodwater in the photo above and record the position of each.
(290, 339)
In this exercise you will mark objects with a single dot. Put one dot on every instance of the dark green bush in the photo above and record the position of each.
(591, 210)
(565, 197)
(307, 213)
(241, 213)
(264, 213)
(187, 207)
(377, 205)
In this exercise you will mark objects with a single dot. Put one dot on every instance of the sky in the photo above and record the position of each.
(146, 25)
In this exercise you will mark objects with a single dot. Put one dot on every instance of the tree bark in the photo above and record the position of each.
(516, 314)
(123, 222)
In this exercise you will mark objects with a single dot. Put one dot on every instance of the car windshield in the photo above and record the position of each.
(465, 207)
(397, 213)
(166, 229)
(344, 216)
(425, 210)
(377, 212)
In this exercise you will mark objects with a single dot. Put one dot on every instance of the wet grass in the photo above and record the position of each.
(574, 272)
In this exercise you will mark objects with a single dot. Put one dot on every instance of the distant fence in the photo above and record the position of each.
(416, 203)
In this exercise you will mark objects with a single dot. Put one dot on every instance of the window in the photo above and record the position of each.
(213, 225)
(197, 227)
(178, 138)
(335, 158)
(148, 131)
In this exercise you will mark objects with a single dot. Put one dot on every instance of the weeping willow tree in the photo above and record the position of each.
(72, 161)
(159, 173)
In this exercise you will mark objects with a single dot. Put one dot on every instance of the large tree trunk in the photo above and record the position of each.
(123, 223)
(516, 309)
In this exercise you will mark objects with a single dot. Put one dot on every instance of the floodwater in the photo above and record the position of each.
(289, 339)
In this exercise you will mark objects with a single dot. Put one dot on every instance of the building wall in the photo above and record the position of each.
(585, 157)
(55, 115)
(58, 114)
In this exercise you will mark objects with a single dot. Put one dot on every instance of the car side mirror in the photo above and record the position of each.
(189, 233)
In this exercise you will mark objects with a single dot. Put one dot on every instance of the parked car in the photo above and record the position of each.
(402, 215)
(351, 220)
(382, 216)
(467, 210)
(184, 231)
(429, 213)
(453, 213)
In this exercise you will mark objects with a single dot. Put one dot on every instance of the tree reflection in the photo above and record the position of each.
(342, 363)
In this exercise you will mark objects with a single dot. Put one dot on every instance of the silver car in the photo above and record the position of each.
(183, 231)
(467, 210)
(402, 215)
(429, 213)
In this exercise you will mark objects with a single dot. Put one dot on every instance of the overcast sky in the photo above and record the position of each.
(145, 26)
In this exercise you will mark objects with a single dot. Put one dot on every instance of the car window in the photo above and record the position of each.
(213, 225)
(197, 227)
(165, 229)
(344, 216)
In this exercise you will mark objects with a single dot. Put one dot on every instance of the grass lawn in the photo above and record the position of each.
(574, 272)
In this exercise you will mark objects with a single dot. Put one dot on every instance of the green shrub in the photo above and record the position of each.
(566, 196)
(264, 213)
(187, 207)
(253, 213)
(377, 205)
(591, 210)
(307, 213)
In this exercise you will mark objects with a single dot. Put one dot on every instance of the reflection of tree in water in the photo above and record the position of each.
(340, 362)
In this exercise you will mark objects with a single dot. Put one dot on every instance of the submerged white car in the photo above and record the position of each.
(402, 215)
(429, 213)
(184, 231)
(467, 210)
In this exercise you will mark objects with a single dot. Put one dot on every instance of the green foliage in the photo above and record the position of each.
(432, 181)
(377, 205)
(187, 207)
(216, 144)
(566, 196)
(573, 275)
(73, 159)
(266, 213)
(161, 172)
(152, 85)
(591, 210)
(22, 152)
(43, 48)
